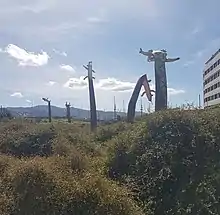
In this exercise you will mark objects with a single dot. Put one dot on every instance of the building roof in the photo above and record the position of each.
(212, 56)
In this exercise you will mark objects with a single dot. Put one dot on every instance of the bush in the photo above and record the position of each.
(40, 186)
(26, 141)
(107, 132)
(173, 167)
(166, 163)
(56, 169)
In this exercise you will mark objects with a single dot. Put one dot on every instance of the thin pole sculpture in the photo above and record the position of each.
(123, 106)
(93, 113)
(1, 114)
(159, 58)
(115, 111)
(141, 109)
(199, 102)
(49, 108)
(68, 116)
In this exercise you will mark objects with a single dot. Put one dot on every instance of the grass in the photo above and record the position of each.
(166, 163)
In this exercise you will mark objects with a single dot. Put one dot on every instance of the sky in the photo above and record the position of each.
(45, 43)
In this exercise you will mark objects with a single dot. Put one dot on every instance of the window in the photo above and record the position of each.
(212, 67)
(214, 76)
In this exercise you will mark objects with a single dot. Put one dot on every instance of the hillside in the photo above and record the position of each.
(167, 163)
(42, 111)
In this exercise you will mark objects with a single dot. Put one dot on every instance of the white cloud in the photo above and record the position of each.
(115, 85)
(28, 101)
(95, 20)
(17, 95)
(56, 25)
(188, 63)
(76, 83)
(67, 68)
(172, 91)
(52, 19)
(60, 53)
(51, 83)
(37, 6)
(25, 58)
(112, 84)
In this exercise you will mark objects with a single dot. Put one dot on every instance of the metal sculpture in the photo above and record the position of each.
(147, 89)
(49, 108)
(159, 58)
(142, 81)
(93, 114)
(68, 116)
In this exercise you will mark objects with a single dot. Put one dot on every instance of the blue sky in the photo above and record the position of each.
(44, 44)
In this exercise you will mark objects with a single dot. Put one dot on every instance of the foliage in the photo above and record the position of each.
(165, 163)
(107, 132)
(56, 169)
(172, 163)
(39, 186)
(21, 139)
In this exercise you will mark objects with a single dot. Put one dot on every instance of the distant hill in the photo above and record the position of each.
(42, 111)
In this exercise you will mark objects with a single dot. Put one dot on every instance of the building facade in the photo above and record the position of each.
(211, 80)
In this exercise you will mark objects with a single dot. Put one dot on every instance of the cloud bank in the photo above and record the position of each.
(25, 58)
(111, 84)
(17, 95)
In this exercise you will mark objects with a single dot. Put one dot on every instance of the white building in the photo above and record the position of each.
(211, 80)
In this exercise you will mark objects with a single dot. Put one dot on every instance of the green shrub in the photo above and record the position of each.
(26, 140)
(46, 186)
(171, 166)
(107, 132)
(166, 163)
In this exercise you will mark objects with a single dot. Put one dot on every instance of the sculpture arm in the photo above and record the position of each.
(172, 59)
(143, 52)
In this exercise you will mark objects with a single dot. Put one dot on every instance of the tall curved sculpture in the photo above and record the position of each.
(142, 81)
(159, 58)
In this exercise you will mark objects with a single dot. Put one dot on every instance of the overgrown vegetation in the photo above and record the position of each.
(171, 162)
(167, 163)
